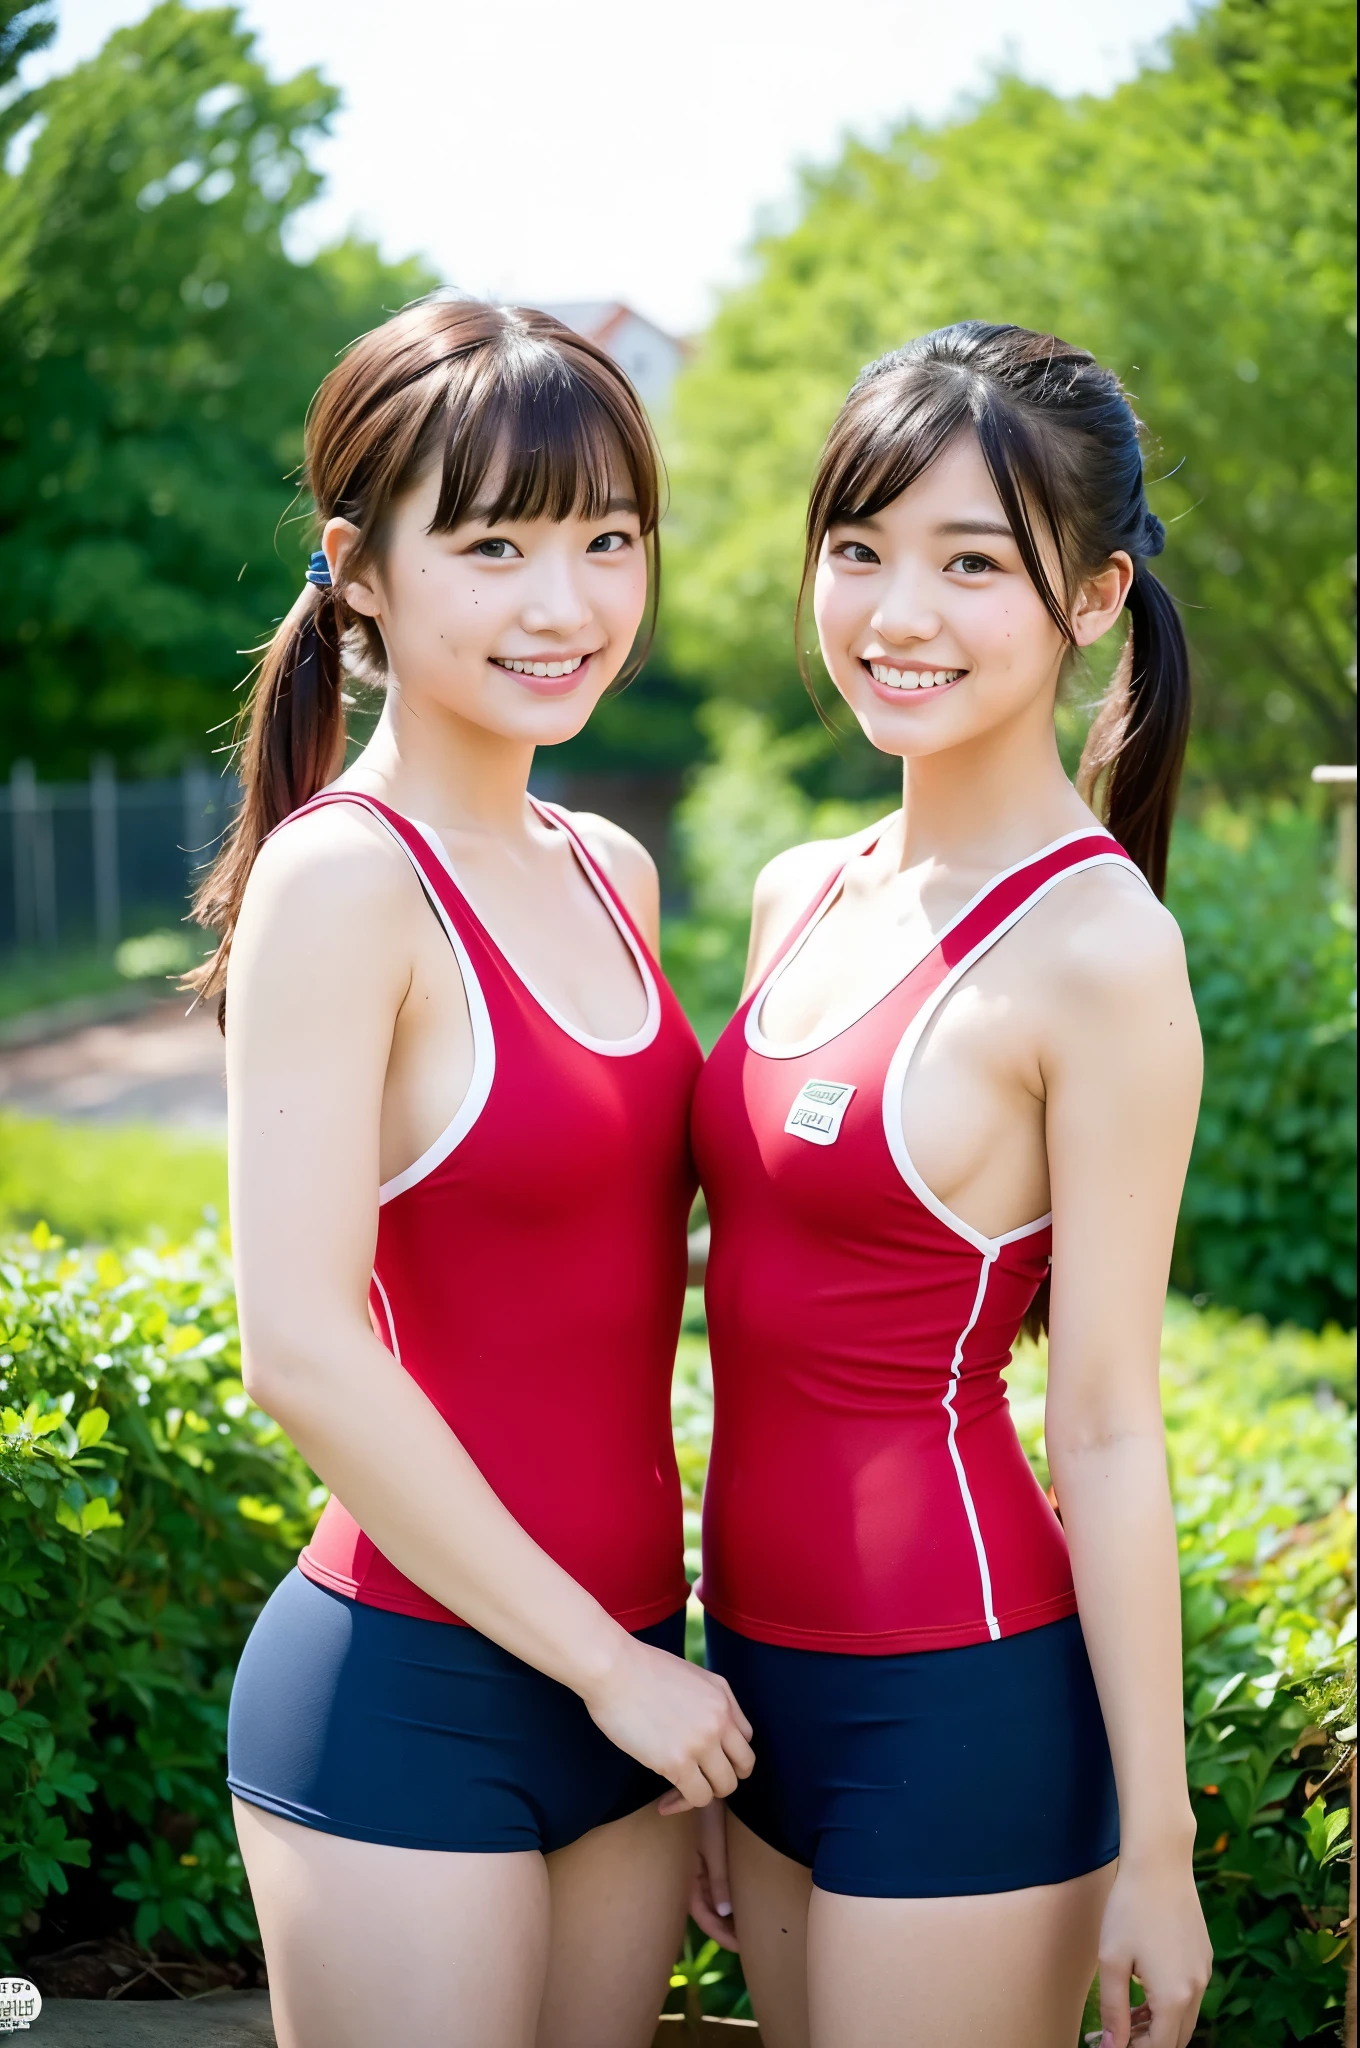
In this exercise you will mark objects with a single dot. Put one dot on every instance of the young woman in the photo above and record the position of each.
(968, 1052)
(458, 1093)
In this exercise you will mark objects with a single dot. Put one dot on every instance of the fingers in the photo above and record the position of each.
(673, 1802)
(739, 1753)
(705, 1914)
(737, 1714)
(1114, 2001)
(713, 1857)
(692, 1785)
(718, 1771)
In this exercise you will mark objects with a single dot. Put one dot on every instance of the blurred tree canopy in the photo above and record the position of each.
(158, 349)
(1194, 229)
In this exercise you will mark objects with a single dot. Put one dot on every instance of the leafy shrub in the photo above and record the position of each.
(147, 1510)
(1268, 1220)
(96, 1184)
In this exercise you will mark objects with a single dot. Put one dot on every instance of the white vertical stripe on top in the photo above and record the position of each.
(390, 1318)
(956, 1367)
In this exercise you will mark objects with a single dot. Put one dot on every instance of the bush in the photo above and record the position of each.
(98, 1184)
(148, 1508)
(1268, 1220)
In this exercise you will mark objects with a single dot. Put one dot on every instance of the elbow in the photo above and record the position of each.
(276, 1372)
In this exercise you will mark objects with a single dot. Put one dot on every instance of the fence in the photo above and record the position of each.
(88, 862)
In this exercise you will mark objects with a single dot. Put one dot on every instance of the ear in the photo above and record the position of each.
(337, 538)
(1101, 599)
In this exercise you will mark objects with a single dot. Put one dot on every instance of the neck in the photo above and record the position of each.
(431, 764)
(990, 802)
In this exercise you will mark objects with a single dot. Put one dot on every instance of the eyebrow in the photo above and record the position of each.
(964, 526)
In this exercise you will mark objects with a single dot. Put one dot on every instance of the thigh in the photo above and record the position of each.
(770, 1896)
(1012, 1967)
(365, 1942)
(618, 1902)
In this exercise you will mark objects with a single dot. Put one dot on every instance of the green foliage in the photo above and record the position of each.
(1194, 229)
(25, 26)
(1268, 1219)
(147, 1508)
(158, 349)
(97, 1184)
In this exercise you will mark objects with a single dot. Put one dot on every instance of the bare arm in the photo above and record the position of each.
(1122, 1080)
(320, 969)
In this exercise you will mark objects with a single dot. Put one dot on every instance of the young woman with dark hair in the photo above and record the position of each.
(458, 1092)
(964, 1076)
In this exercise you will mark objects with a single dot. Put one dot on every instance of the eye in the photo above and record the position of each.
(858, 553)
(496, 550)
(973, 565)
(609, 543)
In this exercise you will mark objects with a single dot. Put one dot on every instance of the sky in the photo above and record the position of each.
(549, 150)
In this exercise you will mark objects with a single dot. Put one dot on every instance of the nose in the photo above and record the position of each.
(905, 610)
(555, 600)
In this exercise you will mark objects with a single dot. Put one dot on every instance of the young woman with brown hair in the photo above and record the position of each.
(967, 1055)
(458, 1093)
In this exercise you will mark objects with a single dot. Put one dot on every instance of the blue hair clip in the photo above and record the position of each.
(319, 570)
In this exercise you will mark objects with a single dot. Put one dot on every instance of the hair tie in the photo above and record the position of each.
(319, 570)
(1154, 535)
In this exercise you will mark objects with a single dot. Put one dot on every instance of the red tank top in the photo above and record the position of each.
(867, 1490)
(530, 1269)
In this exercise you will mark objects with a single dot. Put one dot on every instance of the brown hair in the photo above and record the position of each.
(476, 388)
(1062, 444)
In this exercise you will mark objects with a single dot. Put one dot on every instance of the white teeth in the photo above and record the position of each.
(912, 679)
(541, 668)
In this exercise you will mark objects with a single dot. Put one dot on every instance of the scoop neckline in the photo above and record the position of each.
(613, 1048)
(824, 1035)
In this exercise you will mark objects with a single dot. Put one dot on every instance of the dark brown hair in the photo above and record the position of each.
(478, 389)
(1062, 443)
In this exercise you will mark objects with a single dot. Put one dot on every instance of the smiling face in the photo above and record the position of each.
(517, 626)
(929, 625)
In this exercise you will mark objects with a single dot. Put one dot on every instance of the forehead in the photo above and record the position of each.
(955, 487)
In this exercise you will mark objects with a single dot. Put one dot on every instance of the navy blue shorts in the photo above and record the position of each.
(390, 1728)
(935, 1775)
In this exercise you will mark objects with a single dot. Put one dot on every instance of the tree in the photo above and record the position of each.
(1194, 228)
(158, 349)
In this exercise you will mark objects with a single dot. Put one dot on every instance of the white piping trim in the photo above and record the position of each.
(391, 1319)
(613, 1048)
(955, 1369)
(756, 1038)
(896, 1078)
(483, 1038)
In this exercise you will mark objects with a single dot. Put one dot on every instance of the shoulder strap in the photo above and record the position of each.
(432, 870)
(797, 930)
(1001, 904)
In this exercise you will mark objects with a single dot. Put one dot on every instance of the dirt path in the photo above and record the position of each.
(162, 1067)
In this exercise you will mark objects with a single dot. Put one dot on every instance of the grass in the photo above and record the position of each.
(118, 1184)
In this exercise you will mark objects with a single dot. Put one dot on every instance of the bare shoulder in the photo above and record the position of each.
(1112, 961)
(332, 883)
(627, 863)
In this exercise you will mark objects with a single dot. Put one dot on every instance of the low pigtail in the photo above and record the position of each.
(294, 745)
(1136, 747)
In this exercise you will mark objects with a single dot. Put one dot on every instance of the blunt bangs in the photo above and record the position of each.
(542, 428)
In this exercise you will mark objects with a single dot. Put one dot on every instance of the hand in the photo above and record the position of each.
(710, 1897)
(1153, 1929)
(679, 1720)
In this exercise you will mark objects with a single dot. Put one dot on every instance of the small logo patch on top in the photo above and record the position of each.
(817, 1112)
